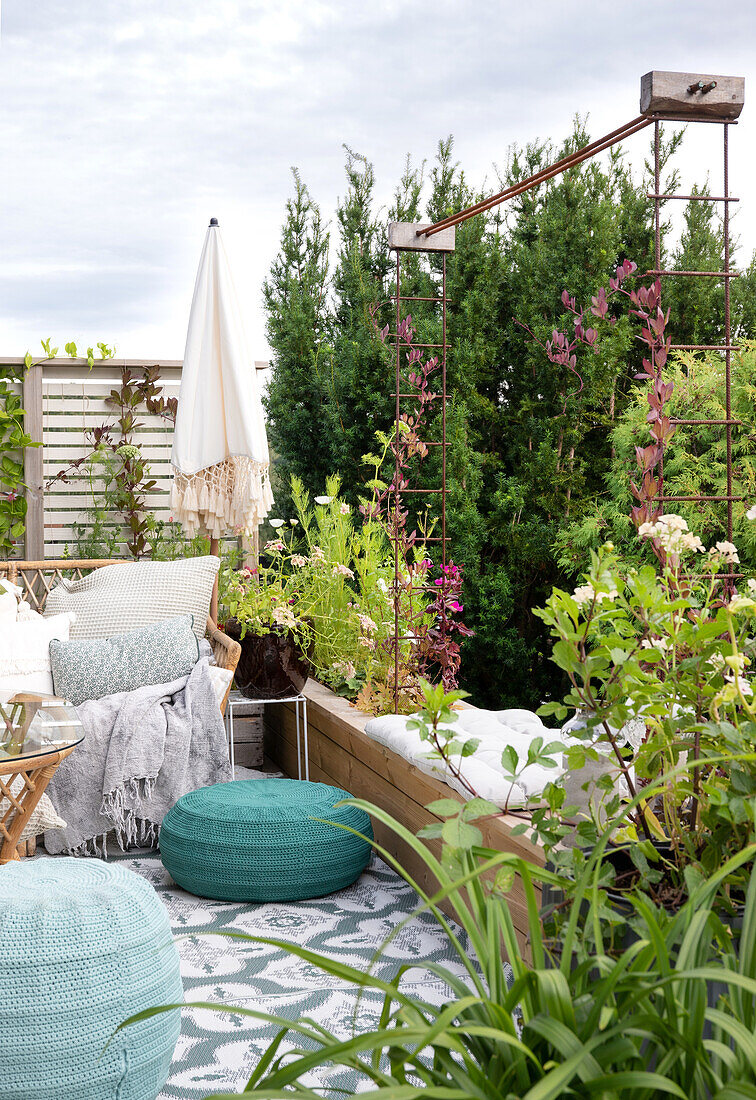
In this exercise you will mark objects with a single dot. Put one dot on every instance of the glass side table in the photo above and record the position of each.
(36, 733)
(237, 703)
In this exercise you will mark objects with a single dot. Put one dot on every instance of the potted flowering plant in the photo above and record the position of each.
(263, 608)
(668, 645)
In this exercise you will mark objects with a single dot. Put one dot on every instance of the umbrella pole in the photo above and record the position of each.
(214, 545)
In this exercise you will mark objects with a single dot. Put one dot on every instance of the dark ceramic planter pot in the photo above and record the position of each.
(271, 666)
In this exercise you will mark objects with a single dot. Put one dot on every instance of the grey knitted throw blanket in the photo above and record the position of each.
(142, 751)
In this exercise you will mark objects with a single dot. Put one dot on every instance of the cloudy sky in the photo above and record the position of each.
(126, 124)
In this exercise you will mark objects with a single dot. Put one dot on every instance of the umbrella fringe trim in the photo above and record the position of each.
(233, 495)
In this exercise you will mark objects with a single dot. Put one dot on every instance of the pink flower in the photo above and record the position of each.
(455, 606)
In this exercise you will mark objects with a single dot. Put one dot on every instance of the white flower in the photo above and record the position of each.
(340, 570)
(344, 509)
(294, 522)
(661, 644)
(672, 532)
(384, 587)
(316, 555)
(752, 584)
(692, 542)
(728, 550)
(275, 545)
(276, 523)
(298, 560)
(751, 513)
(673, 522)
(323, 500)
(283, 616)
(585, 593)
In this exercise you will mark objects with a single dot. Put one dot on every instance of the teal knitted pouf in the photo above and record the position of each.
(255, 840)
(84, 945)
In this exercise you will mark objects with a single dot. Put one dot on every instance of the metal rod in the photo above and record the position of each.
(727, 334)
(694, 198)
(657, 261)
(671, 117)
(396, 480)
(702, 500)
(703, 347)
(443, 437)
(566, 162)
(673, 421)
(413, 298)
(700, 274)
(393, 336)
(392, 489)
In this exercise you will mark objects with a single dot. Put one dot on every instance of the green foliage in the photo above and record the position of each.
(13, 441)
(662, 648)
(120, 479)
(694, 461)
(532, 445)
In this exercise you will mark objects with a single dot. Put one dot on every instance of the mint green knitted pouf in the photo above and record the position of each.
(84, 945)
(255, 840)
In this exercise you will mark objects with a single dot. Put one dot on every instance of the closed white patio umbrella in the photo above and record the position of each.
(220, 449)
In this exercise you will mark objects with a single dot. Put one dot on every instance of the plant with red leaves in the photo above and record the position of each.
(645, 304)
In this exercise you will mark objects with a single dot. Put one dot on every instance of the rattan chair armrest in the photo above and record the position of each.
(227, 652)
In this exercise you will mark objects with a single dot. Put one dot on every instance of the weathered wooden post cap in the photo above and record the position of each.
(692, 96)
(408, 236)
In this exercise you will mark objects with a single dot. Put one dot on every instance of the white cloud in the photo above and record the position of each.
(126, 125)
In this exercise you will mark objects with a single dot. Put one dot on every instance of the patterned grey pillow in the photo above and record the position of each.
(90, 668)
(128, 595)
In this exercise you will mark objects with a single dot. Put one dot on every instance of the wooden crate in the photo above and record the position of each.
(248, 738)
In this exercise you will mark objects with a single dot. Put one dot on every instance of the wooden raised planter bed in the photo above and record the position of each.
(342, 754)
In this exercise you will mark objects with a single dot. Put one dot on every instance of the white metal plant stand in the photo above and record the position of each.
(236, 706)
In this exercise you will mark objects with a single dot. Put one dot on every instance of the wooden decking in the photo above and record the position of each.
(342, 754)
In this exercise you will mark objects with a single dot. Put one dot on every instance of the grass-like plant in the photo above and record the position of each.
(673, 1014)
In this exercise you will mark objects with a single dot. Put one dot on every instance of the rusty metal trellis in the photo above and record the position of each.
(725, 275)
(665, 97)
(402, 240)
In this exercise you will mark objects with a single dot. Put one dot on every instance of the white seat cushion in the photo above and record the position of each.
(483, 770)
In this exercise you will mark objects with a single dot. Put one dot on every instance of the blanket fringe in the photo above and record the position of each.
(94, 848)
(124, 806)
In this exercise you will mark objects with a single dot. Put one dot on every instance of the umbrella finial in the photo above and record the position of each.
(213, 221)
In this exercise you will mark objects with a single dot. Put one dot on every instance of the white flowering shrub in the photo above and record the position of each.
(673, 645)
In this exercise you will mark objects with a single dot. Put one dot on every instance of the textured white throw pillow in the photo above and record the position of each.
(43, 815)
(25, 653)
(128, 596)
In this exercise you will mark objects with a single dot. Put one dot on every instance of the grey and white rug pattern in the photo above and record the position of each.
(217, 1051)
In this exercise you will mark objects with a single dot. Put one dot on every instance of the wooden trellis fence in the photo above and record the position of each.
(64, 400)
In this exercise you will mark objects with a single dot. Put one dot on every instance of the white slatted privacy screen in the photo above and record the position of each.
(64, 400)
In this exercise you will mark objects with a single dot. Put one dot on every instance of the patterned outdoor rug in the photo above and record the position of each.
(217, 1051)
